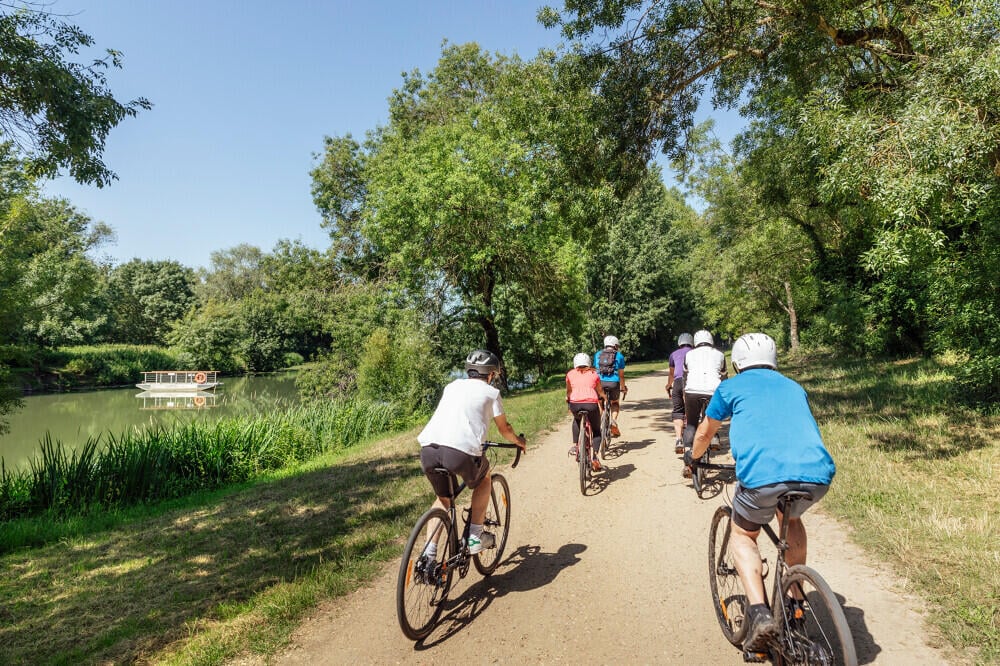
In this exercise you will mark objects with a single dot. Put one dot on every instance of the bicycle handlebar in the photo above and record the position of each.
(505, 445)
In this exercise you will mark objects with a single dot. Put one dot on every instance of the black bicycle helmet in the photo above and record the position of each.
(482, 361)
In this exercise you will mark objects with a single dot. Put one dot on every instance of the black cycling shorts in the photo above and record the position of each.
(472, 469)
(613, 389)
(677, 399)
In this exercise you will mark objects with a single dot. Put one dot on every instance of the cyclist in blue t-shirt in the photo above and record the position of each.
(610, 364)
(777, 447)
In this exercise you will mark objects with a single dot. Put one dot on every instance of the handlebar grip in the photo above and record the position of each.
(517, 456)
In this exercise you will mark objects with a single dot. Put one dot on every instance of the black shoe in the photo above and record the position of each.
(763, 629)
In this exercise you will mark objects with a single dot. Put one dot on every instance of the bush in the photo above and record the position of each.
(977, 381)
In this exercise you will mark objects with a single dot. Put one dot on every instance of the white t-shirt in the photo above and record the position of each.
(703, 370)
(463, 416)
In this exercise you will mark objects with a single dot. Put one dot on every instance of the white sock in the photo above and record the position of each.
(431, 549)
(475, 531)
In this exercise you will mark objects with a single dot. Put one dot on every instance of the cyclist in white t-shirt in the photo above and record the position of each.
(454, 437)
(704, 370)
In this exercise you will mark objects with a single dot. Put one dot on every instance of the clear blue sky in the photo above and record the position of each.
(244, 92)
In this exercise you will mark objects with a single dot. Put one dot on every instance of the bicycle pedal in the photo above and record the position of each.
(755, 657)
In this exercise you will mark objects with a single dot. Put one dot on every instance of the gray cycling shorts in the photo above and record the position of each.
(753, 507)
(472, 469)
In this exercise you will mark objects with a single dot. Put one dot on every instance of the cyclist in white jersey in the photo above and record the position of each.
(704, 370)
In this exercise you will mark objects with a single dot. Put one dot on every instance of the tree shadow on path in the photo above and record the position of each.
(527, 568)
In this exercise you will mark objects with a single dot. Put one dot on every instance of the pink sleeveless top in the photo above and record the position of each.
(583, 385)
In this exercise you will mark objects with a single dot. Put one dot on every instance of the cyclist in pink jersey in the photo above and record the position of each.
(584, 392)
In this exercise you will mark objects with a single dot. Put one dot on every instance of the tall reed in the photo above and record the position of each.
(164, 462)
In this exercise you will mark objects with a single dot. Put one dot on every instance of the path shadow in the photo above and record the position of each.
(608, 475)
(864, 642)
(527, 568)
(622, 446)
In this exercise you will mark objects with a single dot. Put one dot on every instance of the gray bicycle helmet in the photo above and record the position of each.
(703, 337)
(685, 339)
(754, 350)
(482, 362)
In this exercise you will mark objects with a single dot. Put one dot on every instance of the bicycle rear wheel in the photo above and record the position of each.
(698, 474)
(821, 634)
(497, 521)
(423, 582)
(584, 456)
(728, 596)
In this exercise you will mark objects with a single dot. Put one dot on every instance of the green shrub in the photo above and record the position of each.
(977, 380)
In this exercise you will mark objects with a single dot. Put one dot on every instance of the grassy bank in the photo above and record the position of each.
(68, 368)
(917, 480)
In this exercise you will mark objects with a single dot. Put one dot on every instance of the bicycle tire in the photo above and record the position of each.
(605, 430)
(583, 456)
(497, 521)
(422, 590)
(822, 636)
(728, 596)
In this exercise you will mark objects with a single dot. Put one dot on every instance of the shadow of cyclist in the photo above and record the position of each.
(527, 568)
(621, 447)
(600, 481)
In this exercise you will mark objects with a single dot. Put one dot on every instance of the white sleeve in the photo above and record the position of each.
(497, 407)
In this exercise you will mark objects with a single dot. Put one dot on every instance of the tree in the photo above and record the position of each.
(464, 189)
(57, 111)
(234, 274)
(146, 298)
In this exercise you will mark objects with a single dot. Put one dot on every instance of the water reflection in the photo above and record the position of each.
(178, 399)
(73, 417)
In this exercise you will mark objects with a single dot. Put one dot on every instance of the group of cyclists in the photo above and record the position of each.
(773, 438)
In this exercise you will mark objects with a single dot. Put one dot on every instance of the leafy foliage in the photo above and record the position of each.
(57, 111)
(146, 298)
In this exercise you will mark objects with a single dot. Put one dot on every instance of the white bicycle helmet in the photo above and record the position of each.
(754, 350)
(610, 341)
(703, 337)
(685, 339)
(581, 360)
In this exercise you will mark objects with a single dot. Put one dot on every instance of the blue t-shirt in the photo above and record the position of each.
(773, 435)
(619, 365)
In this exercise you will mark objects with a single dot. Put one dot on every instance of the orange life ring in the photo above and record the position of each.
(199, 401)
(200, 377)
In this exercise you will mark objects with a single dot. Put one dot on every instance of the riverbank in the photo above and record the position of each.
(230, 572)
(82, 368)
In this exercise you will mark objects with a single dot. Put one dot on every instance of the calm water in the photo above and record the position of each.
(73, 417)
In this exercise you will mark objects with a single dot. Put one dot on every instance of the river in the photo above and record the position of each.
(73, 417)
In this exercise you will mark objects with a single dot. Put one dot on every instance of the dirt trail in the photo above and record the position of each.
(617, 576)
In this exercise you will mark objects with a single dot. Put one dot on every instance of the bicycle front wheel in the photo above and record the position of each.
(584, 457)
(497, 521)
(424, 581)
(816, 633)
(728, 596)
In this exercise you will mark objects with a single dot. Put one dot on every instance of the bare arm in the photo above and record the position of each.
(670, 378)
(703, 436)
(508, 432)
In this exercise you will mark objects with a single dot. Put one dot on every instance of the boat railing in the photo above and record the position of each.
(180, 377)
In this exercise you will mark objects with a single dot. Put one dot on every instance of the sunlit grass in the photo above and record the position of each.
(917, 480)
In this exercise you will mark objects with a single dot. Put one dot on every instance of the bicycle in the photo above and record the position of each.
(698, 471)
(812, 628)
(424, 582)
(584, 450)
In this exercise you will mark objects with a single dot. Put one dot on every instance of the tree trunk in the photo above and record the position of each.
(793, 320)
(487, 284)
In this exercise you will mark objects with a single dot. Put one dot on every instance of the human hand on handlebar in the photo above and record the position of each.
(522, 443)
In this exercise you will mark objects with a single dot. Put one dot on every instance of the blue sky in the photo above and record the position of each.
(243, 94)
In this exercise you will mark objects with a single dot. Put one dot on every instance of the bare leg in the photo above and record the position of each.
(746, 557)
(480, 499)
(434, 525)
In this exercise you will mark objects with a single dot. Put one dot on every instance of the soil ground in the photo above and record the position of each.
(616, 576)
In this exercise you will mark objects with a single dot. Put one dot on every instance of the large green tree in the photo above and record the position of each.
(464, 191)
(146, 299)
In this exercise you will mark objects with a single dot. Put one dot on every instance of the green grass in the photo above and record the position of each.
(917, 480)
